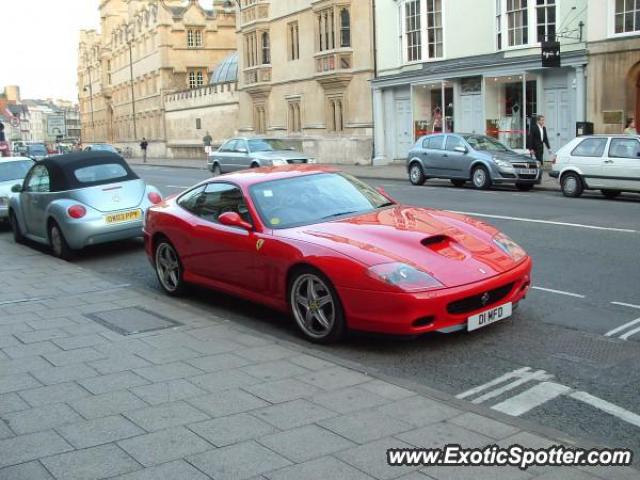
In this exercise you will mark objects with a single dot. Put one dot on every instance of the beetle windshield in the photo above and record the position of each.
(313, 199)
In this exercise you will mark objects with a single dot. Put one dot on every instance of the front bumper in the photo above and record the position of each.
(422, 312)
(513, 177)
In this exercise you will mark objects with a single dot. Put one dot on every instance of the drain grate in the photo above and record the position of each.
(132, 320)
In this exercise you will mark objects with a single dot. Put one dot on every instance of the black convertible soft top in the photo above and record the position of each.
(62, 167)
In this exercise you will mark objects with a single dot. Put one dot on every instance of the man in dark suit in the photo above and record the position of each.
(538, 139)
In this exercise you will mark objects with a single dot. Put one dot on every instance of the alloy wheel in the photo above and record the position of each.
(168, 268)
(313, 306)
(56, 241)
(479, 177)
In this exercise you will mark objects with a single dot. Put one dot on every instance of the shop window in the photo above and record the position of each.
(345, 28)
(546, 20)
(627, 16)
(293, 39)
(517, 22)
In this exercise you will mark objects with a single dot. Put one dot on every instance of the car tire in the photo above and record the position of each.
(524, 187)
(168, 268)
(611, 194)
(324, 320)
(571, 185)
(458, 183)
(480, 178)
(416, 174)
(15, 228)
(254, 165)
(59, 246)
(215, 169)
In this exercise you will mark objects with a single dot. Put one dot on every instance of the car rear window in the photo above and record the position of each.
(590, 147)
(106, 172)
(14, 170)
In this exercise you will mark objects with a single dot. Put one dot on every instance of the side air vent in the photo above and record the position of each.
(436, 239)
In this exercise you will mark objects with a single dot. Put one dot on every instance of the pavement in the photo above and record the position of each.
(99, 379)
(394, 171)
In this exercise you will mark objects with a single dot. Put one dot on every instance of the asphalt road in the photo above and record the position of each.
(552, 362)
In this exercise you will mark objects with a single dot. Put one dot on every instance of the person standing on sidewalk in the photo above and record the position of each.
(538, 138)
(143, 145)
(206, 140)
(630, 129)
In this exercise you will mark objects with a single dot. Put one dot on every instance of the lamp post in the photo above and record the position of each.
(130, 37)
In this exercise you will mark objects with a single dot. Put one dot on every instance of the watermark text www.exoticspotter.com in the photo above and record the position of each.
(514, 455)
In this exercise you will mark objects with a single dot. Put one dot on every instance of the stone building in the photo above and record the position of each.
(305, 72)
(145, 51)
(614, 65)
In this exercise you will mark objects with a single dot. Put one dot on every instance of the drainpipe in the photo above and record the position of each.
(375, 75)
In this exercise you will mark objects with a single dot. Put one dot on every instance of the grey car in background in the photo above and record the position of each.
(253, 152)
(80, 199)
(469, 157)
(12, 170)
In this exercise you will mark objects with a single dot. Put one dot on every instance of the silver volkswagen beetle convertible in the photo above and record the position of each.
(80, 199)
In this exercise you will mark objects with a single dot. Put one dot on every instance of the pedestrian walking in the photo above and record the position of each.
(630, 128)
(538, 138)
(143, 145)
(206, 140)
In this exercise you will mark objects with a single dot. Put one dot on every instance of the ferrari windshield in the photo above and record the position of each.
(313, 199)
(484, 143)
(268, 145)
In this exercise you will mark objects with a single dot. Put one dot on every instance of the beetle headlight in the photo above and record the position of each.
(509, 247)
(404, 277)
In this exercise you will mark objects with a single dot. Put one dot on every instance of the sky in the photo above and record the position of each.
(39, 44)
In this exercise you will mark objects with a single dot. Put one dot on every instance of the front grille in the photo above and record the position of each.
(470, 304)
(527, 177)
(297, 160)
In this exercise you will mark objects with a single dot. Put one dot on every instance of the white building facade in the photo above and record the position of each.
(475, 66)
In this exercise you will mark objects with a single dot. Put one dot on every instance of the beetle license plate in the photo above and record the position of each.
(123, 217)
(489, 316)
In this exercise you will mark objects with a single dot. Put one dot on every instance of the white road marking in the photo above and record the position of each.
(547, 222)
(630, 333)
(497, 381)
(630, 305)
(531, 398)
(22, 300)
(559, 292)
(177, 186)
(538, 375)
(622, 327)
(607, 407)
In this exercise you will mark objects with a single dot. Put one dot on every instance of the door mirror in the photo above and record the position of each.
(17, 188)
(232, 219)
(460, 149)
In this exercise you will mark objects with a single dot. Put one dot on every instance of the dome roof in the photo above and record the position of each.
(226, 71)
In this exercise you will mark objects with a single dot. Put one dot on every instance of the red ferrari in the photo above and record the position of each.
(335, 253)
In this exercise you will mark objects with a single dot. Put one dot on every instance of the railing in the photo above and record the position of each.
(255, 75)
(334, 61)
(203, 91)
(258, 11)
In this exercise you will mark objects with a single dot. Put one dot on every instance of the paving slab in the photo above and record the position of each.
(320, 469)
(166, 392)
(25, 471)
(166, 415)
(91, 464)
(32, 446)
(91, 433)
(40, 418)
(231, 429)
(177, 470)
(227, 402)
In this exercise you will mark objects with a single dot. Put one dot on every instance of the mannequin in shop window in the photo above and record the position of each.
(437, 120)
(448, 117)
(516, 127)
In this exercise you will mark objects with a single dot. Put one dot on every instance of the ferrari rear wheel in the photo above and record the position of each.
(58, 243)
(168, 268)
(316, 307)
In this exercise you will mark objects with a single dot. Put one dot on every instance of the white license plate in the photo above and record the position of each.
(123, 217)
(489, 316)
(527, 171)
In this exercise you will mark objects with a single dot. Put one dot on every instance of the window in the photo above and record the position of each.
(336, 114)
(627, 16)
(38, 180)
(434, 28)
(517, 22)
(198, 123)
(104, 173)
(546, 16)
(229, 146)
(499, 24)
(345, 28)
(214, 200)
(625, 148)
(433, 142)
(266, 50)
(196, 78)
(194, 38)
(413, 33)
(453, 142)
(591, 147)
(251, 49)
(294, 122)
(260, 118)
(293, 38)
(326, 27)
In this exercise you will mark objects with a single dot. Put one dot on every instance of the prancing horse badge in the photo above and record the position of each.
(259, 244)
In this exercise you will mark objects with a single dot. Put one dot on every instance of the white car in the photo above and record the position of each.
(609, 163)
(12, 171)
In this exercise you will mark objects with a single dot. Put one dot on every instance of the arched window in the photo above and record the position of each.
(266, 50)
(345, 28)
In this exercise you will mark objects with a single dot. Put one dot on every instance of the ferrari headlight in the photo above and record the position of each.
(509, 247)
(503, 164)
(404, 277)
(276, 162)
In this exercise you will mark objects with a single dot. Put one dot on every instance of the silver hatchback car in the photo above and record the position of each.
(80, 199)
(469, 157)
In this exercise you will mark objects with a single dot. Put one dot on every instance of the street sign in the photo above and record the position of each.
(551, 54)
(56, 125)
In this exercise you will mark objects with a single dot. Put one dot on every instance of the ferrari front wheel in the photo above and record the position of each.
(315, 306)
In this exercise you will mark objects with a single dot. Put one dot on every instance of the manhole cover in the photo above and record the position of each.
(128, 321)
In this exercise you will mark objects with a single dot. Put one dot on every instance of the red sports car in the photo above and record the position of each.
(335, 253)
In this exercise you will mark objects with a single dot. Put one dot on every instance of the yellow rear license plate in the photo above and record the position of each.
(123, 217)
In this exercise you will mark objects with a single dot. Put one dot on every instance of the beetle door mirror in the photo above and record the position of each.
(17, 188)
